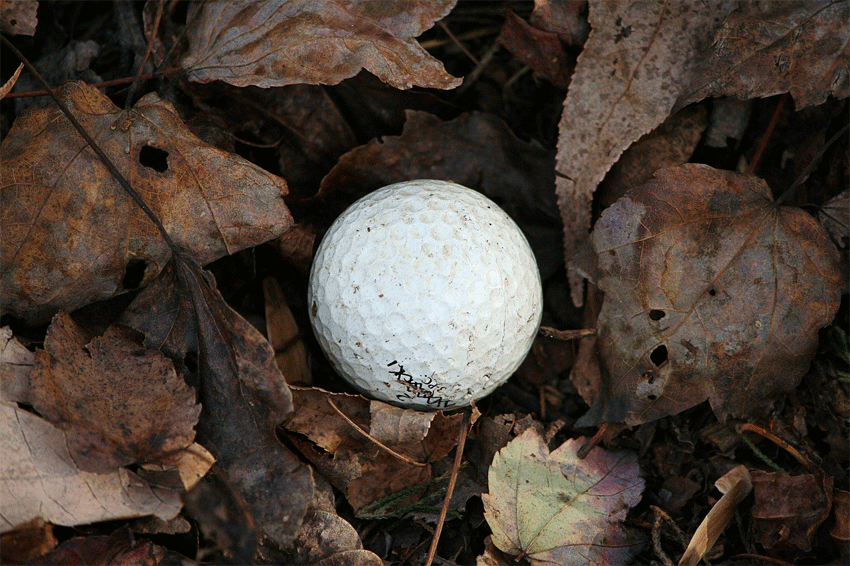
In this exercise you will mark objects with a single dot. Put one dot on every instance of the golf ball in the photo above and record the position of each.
(425, 294)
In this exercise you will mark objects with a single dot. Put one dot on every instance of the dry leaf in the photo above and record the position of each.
(316, 42)
(117, 402)
(10, 84)
(735, 485)
(567, 18)
(638, 58)
(71, 233)
(118, 549)
(18, 17)
(27, 541)
(326, 538)
(559, 509)
(242, 392)
(711, 292)
(541, 50)
(789, 509)
(358, 465)
(16, 363)
(840, 531)
(768, 48)
(40, 480)
(284, 336)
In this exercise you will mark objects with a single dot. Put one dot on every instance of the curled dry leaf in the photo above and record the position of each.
(711, 292)
(768, 48)
(638, 58)
(559, 509)
(316, 42)
(117, 402)
(70, 232)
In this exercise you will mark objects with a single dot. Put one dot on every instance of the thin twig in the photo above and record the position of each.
(768, 133)
(137, 80)
(779, 442)
(102, 84)
(565, 335)
(457, 42)
(356, 427)
(461, 441)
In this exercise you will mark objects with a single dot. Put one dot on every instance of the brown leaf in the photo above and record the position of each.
(118, 549)
(768, 48)
(26, 542)
(789, 509)
(16, 363)
(18, 17)
(541, 50)
(316, 42)
(356, 464)
(284, 336)
(41, 480)
(325, 538)
(71, 232)
(242, 392)
(638, 58)
(118, 402)
(711, 292)
(567, 18)
(840, 531)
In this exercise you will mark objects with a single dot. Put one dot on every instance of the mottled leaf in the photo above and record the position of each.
(255, 42)
(559, 509)
(711, 292)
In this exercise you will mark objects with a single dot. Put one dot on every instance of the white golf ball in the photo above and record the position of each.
(425, 294)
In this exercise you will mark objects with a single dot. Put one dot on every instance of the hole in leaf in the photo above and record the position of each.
(154, 158)
(134, 273)
(656, 314)
(652, 397)
(659, 355)
(712, 292)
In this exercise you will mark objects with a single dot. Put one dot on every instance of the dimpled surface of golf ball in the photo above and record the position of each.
(425, 294)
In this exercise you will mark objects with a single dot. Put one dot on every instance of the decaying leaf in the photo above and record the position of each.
(242, 392)
(396, 454)
(789, 509)
(16, 363)
(711, 292)
(768, 48)
(559, 509)
(18, 17)
(303, 41)
(117, 549)
(638, 58)
(71, 233)
(117, 402)
(539, 49)
(41, 480)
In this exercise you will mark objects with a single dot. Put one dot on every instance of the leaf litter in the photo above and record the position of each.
(268, 500)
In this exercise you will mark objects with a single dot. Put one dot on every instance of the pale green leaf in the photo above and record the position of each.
(559, 509)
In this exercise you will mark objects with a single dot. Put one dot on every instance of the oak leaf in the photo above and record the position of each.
(70, 232)
(316, 42)
(711, 292)
(559, 509)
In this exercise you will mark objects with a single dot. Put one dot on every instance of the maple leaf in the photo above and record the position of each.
(559, 509)
(70, 232)
(711, 292)
(316, 42)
